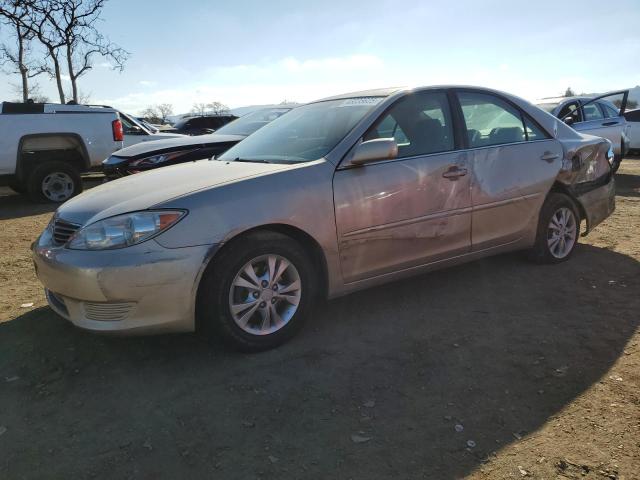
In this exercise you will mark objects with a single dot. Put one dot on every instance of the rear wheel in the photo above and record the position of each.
(53, 182)
(558, 230)
(258, 293)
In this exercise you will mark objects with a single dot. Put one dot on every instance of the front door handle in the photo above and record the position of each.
(608, 124)
(549, 156)
(454, 172)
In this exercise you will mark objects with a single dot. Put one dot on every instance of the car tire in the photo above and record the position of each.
(244, 317)
(53, 182)
(17, 186)
(558, 230)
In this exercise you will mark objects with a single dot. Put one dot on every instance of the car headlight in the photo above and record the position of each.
(124, 230)
(160, 158)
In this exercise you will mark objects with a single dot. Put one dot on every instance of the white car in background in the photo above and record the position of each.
(633, 120)
(136, 132)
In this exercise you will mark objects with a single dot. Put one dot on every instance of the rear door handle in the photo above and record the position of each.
(608, 124)
(454, 172)
(549, 156)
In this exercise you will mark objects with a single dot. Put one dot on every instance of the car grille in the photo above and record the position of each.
(62, 230)
(107, 312)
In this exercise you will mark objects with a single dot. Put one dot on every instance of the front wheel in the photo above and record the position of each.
(558, 230)
(258, 293)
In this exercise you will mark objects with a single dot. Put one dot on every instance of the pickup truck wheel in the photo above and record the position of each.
(558, 230)
(53, 182)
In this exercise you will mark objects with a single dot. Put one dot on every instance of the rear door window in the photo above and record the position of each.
(490, 120)
(592, 112)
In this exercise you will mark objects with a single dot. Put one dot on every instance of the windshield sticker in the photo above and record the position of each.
(352, 102)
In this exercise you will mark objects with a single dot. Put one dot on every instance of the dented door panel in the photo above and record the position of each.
(508, 185)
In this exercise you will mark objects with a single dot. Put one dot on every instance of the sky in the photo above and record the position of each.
(246, 52)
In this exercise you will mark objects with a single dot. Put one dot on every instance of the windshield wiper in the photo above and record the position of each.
(249, 160)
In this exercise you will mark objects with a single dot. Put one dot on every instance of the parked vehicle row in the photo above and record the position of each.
(140, 158)
(332, 197)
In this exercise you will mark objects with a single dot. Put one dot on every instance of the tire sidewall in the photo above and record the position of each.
(214, 316)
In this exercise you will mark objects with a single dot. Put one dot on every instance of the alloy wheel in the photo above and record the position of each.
(562, 232)
(265, 294)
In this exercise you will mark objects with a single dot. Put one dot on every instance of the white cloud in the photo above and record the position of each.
(104, 65)
(353, 62)
(269, 81)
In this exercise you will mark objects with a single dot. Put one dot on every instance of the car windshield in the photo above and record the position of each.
(247, 124)
(547, 107)
(304, 134)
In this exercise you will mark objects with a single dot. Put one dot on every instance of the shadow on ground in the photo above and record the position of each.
(498, 346)
(13, 205)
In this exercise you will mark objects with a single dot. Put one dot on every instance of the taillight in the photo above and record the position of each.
(118, 133)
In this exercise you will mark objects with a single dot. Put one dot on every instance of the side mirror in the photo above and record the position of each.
(134, 130)
(374, 151)
(569, 120)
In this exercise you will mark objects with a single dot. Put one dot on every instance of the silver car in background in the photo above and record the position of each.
(595, 116)
(336, 196)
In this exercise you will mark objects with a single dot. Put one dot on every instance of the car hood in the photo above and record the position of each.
(145, 190)
(178, 142)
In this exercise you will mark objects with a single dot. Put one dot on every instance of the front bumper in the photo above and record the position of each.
(598, 203)
(114, 168)
(141, 289)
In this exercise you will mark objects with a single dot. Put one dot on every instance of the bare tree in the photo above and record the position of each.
(67, 29)
(150, 114)
(83, 97)
(199, 109)
(74, 23)
(164, 110)
(16, 59)
(217, 108)
(157, 113)
(35, 94)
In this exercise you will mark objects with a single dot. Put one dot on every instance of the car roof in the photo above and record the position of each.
(375, 92)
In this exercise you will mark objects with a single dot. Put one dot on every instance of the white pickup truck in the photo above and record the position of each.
(45, 147)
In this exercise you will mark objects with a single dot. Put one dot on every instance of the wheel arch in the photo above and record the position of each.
(60, 144)
(559, 187)
(308, 243)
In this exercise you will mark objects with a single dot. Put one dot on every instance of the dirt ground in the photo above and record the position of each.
(495, 369)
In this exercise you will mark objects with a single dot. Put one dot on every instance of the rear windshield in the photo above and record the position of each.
(548, 107)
